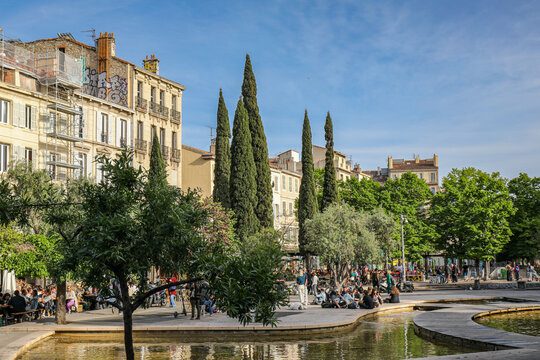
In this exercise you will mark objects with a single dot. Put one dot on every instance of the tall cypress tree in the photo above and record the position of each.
(263, 208)
(307, 200)
(243, 188)
(222, 171)
(330, 193)
(157, 172)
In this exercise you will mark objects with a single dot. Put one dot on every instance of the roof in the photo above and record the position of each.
(202, 152)
(335, 151)
(408, 165)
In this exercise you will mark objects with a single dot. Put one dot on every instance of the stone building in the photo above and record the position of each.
(63, 102)
(198, 169)
(341, 164)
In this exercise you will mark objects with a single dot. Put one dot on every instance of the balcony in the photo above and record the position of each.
(159, 110)
(140, 145)
(141, 104)
(165, 152)
(123, 142)
(175, 155)
(176, 116)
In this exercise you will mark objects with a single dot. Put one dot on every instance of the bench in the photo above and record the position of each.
(28, 315)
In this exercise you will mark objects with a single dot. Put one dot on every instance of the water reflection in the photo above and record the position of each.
(524, 322)
(383, 337)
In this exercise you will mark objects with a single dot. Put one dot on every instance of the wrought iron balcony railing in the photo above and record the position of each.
(141, 104)
(140, 145)
(176, 116)
(175, 155)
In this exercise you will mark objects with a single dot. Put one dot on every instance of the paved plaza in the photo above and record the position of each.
(452, 322)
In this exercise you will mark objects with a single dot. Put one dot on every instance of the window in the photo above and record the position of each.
(4, 111)
(104, 128)
(173, 141)
(153, 94)
(28, 117)
(140, 130)
(162, 136)
(173, 102)
(276, 183)
(296, 185)
(284, 208)
(421, 175)
(52, 166)
(290, 209)
(433, 190)
(395, 177)
(80, 160)
(4, 157)
(28, 157)
(433, 180)
(153, 133)
(284, 183)
(162, 98)
(290, 184)
(139, 89)
(123, 133)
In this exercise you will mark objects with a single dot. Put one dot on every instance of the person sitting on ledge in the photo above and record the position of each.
(367, 300)
(394, 296)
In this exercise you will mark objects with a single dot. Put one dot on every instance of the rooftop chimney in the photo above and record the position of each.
(417, 159)
(213, 145)
(390, 163)
(151, 64)
(436, 160)
(106, 50)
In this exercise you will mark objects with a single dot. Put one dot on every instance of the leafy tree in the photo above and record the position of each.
(409, 196)
(243, 187)
(307, 201)
(471, 214)
(263, 208)
(222, 170)
(361, 194)
(330, 193)
(339, 236)
(384, 227)
(525, 223)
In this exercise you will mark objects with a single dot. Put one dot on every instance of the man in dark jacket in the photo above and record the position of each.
(17, 304)
(367, 300)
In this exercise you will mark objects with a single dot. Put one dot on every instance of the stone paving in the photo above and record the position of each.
(14, 338)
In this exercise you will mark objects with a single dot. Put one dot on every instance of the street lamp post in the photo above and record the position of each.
(403, 219)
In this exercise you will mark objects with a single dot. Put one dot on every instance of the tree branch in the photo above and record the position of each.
(149, 293)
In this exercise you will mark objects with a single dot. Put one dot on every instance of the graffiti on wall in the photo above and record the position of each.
(115, 90)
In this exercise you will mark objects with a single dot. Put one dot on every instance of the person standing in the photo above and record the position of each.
(194, 299)
(389, 282)
(529, 272)
(508, 272)
(172, 292)
(301, 281)
(516, 271)
(314, 283)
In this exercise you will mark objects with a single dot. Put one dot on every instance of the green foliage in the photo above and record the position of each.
(318, 177)
(158, 170)
(340, 236)
(362, 194)
(27, 255)
(525, 223)
(263, 208)
(471, 214)
(307, 200)
(409, 196)
(384, 227)
(250, 280)
(222, 170)
(330, 193)
(243, 186)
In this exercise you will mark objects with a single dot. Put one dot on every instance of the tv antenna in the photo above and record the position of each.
(93, 35)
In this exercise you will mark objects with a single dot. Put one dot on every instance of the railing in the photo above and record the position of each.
(140, 144)
(141, 104)
(175, 155)
(123, 142)
(158, 109)
(165, 152)
(176, 116)
(104, 137)
(54, 66)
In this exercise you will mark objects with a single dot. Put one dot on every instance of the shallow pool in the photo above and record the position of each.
(523, 322)
(383, 337)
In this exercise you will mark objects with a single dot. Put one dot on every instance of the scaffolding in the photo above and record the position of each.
(60, 76)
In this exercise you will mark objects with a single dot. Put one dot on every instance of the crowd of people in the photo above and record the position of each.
(29, 297)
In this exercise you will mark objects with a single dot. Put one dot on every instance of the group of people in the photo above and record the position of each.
(28, 298)
(512, 270)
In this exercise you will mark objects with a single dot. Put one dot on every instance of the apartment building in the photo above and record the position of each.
(286, 189)
(341, 164)
(426, 169)
(63, 102)
(198, 169)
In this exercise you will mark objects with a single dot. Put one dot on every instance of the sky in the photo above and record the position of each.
(460, 79)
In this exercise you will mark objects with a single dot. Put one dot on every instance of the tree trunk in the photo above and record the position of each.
(308, 263)
(61, 303)
(486, 271)
(477, 266)
(127, 310)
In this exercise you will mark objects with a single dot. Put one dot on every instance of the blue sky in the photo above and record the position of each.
(456, 78)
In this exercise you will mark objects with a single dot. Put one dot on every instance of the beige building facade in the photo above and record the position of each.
(198, 170)
(62, 103)
(426, 169)
(341, 164)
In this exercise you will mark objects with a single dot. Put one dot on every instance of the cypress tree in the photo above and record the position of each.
(157, 172)
(222, 171)
(330, 194)
(307, 200)
(263, 207)
(243, 188)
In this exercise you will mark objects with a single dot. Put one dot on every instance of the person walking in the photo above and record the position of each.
(516, 271)
(194, 299)
(389, 282)
(172, 292)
